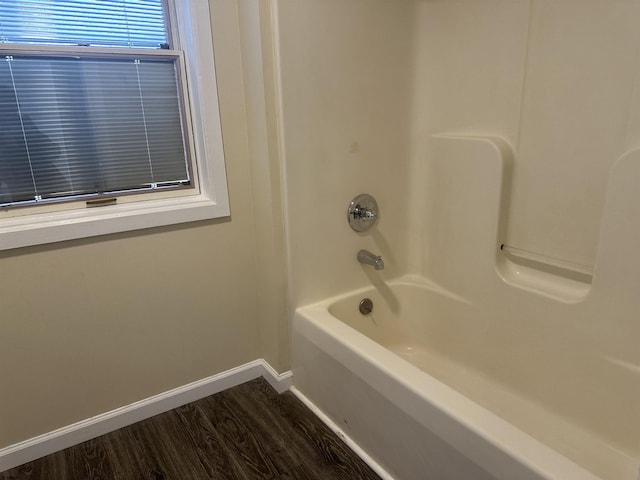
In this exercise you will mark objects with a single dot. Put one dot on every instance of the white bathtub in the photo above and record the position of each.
(416, 395)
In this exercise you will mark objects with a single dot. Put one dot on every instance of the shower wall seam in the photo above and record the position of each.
(525, 69)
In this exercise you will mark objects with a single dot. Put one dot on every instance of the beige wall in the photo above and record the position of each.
(261, 93)
(88, 326)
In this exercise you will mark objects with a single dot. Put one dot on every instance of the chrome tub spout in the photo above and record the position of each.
(368, 258)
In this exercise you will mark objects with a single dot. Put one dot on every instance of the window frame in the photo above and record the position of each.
(190, 27)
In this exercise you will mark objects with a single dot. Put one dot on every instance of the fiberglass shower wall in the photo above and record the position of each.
(559, 81)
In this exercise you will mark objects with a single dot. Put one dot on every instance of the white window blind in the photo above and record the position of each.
(73, 123)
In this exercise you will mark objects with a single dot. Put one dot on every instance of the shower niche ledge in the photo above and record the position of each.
(474, 180)
(543, 278)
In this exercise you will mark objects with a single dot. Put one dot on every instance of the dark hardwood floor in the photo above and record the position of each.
(247, 432)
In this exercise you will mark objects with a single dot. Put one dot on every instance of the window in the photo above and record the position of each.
(95, 110)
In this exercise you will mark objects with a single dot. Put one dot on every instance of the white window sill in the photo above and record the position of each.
(44, 228)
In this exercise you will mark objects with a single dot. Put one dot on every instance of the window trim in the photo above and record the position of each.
(191, 26)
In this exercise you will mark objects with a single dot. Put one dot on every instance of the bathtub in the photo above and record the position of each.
(404, 387)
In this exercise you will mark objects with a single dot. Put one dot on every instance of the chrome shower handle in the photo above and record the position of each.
(362, 212)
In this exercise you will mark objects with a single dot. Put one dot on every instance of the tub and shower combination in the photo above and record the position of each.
(495, 371)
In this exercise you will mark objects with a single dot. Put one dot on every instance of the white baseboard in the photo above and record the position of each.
(280, 382)
(93, 427)
(375, 466)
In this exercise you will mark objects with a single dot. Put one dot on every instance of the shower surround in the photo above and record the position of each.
(500, 139)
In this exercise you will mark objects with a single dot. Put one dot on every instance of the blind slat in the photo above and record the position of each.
(108, 23)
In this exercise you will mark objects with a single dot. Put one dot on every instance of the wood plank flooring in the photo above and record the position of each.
(247, 432)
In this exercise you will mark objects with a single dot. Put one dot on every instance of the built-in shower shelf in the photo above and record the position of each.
(555, 266)
(552, 281)
(551, 277)
(473, 192)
